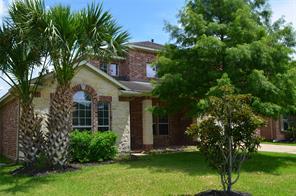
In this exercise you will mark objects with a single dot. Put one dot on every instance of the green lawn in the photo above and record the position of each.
(280, 143)
(166, 174)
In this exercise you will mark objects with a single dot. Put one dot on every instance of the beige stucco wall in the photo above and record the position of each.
(120, 110)
(147, 122)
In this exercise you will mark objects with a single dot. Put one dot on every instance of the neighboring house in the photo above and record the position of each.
(114, 97)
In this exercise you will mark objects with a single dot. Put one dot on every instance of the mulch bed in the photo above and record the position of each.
(42, 171)
(222, 193)
(33, 171)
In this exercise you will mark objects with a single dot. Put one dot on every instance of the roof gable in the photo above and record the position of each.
(101, 73)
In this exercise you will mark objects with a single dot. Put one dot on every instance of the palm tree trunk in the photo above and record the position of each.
(59, 126)
(30, 134)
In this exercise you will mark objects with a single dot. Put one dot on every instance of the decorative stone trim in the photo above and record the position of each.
(92, 92)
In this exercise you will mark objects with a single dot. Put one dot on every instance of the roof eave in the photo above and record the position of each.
(133, 46)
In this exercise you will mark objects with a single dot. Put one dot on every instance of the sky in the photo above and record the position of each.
(144, 19)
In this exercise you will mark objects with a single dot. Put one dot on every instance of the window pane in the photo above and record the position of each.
(82, 122)
(82, 114)
(88, 114)
(81, 96)
(75, 121)
(106, 121)
(150, 71)
(113, 69)
(75, 113)
(88, 121)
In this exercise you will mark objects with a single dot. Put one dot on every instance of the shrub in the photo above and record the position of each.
(79, 145)
(89, 147)
(102, 146)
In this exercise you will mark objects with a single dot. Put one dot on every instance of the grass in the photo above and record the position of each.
(281, 143)
(162, 174)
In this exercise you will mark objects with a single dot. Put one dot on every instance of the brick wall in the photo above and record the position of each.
(134, 66)
(9, 114)
(136, 61)
(272, 130)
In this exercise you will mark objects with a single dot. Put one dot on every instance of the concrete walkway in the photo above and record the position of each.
(277, 148)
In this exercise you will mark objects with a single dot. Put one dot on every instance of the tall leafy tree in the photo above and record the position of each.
(19, 58)
(234, 37)
(71, 38)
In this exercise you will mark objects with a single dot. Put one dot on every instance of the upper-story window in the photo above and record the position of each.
(151, 71)
(82, 111)
(111, 69)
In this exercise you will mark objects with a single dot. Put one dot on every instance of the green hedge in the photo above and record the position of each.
(86, 146)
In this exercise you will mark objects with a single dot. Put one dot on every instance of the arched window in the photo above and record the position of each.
(82, 111)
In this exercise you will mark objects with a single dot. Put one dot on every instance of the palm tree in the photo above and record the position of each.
(71, 38)
(18, 60)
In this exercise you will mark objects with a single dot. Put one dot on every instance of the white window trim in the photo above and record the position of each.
(117, 69)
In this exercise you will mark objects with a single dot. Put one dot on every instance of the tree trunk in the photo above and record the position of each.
(229, 171)
(59, 126)
(30, 134)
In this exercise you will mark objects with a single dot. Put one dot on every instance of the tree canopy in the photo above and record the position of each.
(235, 37)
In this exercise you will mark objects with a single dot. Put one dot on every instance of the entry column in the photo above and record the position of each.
(147, 125)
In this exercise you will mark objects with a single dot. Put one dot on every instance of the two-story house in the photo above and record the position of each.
(114, 96)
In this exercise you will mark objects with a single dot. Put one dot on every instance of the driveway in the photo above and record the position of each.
(277, 148)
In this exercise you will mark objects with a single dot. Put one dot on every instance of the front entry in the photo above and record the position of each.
(136, 124)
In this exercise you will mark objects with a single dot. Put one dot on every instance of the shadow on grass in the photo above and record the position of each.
(194, 163)
(18, 184)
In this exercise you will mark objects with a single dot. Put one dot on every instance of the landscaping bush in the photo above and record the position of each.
(102, 146)
(90, 147)
(79, 146)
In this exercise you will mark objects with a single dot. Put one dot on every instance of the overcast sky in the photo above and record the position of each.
(144, 19)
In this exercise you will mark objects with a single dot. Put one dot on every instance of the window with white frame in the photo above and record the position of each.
(82, 111)
(151, 71)
(104, 116)
(113, 70)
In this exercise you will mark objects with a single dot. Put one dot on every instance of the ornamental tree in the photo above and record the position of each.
(235, 37)
(226, 131)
